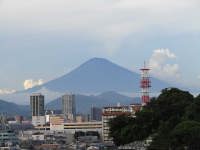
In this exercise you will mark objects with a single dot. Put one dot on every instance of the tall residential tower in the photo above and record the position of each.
(37, 104)
(68, 106)
(37, 109)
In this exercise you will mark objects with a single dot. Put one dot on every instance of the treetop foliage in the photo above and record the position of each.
(172, 120)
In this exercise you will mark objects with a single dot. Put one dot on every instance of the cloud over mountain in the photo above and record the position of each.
(30, 83)
(7, 91)
(160, 66)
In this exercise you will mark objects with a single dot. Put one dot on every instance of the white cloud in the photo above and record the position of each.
(7, 91)
(160, 66)
(29, 83)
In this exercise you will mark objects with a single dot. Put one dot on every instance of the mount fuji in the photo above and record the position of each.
(95, 76)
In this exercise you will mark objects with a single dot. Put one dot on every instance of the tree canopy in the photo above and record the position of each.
(172, 118)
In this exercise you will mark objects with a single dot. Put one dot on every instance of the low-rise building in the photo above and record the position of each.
(83, 126)
(38, 136)
(71, 128)
(112, 112)
(38, 120)
(8, 137)
(80, 118)
(56, 123)
(96, 114)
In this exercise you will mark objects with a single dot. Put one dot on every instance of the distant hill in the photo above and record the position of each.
(13, 109)
(84, 103)
(115, 97)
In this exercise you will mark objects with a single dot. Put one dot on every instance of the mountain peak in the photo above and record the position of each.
(97, 61)
(96, 76)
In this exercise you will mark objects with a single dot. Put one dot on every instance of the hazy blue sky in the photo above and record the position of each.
(43, 39)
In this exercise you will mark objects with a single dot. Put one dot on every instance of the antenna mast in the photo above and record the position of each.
(145, 85)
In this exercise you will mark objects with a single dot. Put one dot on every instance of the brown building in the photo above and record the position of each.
(112, 112)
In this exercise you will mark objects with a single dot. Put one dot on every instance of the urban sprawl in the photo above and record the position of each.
(64, 129)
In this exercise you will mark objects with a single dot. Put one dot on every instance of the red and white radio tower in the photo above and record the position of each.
(145, 84)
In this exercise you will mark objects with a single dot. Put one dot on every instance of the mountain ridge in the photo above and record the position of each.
(9, 108)
(98, 75)
(93, 76)
(85, 102)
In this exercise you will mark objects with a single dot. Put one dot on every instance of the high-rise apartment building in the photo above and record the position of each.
(37, 109)
(96, 113)
(37, 104)
(68, 106)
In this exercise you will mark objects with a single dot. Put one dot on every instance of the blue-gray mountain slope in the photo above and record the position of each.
(12, 109)
(99, 75)
(84, 103)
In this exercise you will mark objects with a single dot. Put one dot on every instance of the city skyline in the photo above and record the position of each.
(99, 74)
(62, 35)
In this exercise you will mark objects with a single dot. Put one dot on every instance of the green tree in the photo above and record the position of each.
(168, 110)
(120, 129)
(186, 135)
(192, 112)
(157, 119)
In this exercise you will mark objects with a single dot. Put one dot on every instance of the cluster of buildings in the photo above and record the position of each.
(70, 122)
(67, 120)
(50, 129)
